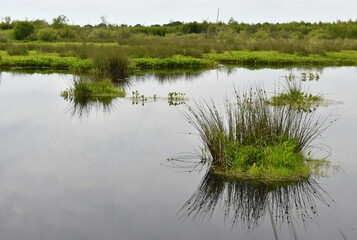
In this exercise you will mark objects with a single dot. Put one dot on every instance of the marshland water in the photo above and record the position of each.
(100, 171)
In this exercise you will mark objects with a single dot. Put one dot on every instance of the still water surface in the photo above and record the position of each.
(66, 174)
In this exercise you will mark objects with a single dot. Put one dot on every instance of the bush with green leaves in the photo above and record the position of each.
(47, 34)
(3, 38)
(23, 30)
(67, 33)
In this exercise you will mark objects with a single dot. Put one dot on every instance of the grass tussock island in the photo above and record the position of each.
(295, 94)
(255, 140)
(92, 90)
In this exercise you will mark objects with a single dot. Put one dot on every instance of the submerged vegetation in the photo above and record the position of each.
(254, 140)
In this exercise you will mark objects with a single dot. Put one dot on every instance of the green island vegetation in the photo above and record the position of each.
(92, 90)
(121, 49)
(257, 141)
(294, 93)
(88, 93)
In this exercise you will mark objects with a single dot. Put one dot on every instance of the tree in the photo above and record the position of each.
(59, 21)
(6, 24)
(23, 30)
(104, 21)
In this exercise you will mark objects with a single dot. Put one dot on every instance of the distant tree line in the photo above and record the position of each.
(61, 30)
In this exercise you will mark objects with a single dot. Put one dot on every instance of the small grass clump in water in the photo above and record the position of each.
(255, 140)
(83, 89)
(295, 94)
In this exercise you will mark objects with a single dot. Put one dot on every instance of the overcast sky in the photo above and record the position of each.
(148, 12)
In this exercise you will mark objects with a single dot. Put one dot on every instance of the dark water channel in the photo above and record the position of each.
(101, 172)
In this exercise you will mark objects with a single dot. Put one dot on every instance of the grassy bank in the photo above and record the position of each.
(52, 61)
(56, 61)
(121, 60)
(277, 58)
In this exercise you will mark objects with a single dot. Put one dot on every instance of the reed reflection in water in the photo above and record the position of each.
(83, 107)
(248, 202)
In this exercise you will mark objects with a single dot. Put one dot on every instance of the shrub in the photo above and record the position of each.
(47, 34)
(3, 38)
(23, 30)
(67, 33)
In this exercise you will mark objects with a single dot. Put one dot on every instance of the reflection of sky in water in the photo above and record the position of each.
(101, 177)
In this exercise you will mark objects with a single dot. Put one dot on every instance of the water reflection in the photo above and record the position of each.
(118, 82)
(83, 104)
(82, 107)
(145, 100)
(170, 76)
(233, 69)
(248, 202)
(30, 71)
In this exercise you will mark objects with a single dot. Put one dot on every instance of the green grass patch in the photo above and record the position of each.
(298, 99)
(35, 60)
(272, 163)
(177, 61)
(115, 62)
(276, 58)
(17, 49)
(91, 90)
(162, 54)
(295, 94)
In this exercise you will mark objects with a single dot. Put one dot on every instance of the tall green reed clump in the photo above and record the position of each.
(17, 49)
(253, 139)
(114, 61)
